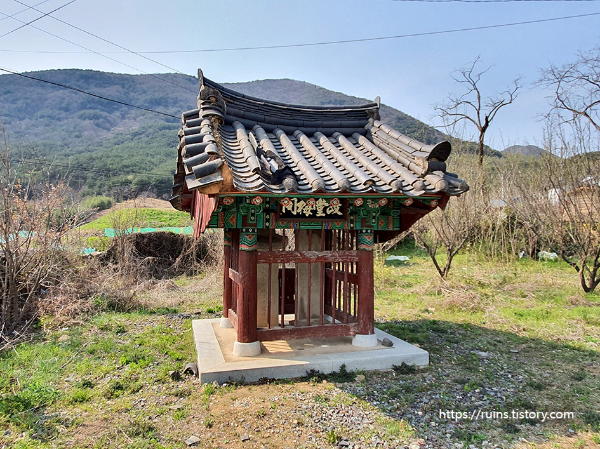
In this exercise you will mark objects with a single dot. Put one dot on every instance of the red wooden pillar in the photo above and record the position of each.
(247, 343)
(366, 291)
(227, 286)
(235, 262)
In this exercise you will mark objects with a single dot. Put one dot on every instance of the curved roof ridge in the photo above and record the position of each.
(290, 106)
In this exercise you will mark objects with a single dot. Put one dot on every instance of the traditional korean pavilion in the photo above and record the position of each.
(303, 193)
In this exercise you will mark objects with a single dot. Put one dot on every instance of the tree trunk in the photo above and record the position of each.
(482, 130)
(589, 285)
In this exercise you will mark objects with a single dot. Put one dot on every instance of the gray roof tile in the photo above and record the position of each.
(328, 148)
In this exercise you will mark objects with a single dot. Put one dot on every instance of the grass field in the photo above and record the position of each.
(529, 298)
(503, 336)
(92, 234)
(139, 217)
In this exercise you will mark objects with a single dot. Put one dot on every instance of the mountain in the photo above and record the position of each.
(113, 148)
(38, 112)
(525, 150)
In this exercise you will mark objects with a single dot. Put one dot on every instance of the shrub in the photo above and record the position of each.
(33, 258)
(98, 202)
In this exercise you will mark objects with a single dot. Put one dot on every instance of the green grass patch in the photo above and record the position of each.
(143, 217)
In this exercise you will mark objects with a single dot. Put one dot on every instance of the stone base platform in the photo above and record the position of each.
(293, 358)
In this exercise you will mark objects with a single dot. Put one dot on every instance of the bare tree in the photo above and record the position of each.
(452, 227)
(470, 106)
(32, 227)
(576, 87)
(563, 204)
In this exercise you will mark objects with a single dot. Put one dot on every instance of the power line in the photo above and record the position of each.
(34, 20)
(368, 39)
(87, 93)
(101, 38)
(99, 53)
(23, 10)
(346, 41)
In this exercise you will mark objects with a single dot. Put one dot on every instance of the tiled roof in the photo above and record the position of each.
(236, 142)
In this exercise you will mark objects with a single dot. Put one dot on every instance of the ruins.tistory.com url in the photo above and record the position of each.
(481, 415)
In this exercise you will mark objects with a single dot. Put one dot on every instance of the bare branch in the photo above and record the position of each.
(576, 88)
(471, 106)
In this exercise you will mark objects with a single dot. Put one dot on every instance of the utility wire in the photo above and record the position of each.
(347, 41)
(34, 20)
(87, 93)
(102, 39)
(23, 10)
(100, 54)
(368, 39)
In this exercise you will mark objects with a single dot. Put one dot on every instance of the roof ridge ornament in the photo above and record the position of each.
(373, 114)
(210, 100)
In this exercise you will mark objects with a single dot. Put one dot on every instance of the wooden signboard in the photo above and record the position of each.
(313, 209)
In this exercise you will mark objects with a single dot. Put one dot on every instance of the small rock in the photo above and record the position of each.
(245, 438)
(483, 355)
(387, 342)
(175, 375)
(8, 432)
(70, 379)
(343, 443)
(414, 446)
(192, 441)
(63, 338)
(514, 351)
(359, 378)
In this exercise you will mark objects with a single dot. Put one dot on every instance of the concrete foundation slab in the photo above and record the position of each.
(293, 358)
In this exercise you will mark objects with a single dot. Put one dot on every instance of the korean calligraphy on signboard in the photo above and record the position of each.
(311, 209)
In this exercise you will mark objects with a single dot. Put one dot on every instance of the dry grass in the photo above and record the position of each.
(184, 293)
(462, 299)
(139, 271)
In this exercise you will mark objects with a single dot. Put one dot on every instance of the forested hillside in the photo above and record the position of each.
(106, 147)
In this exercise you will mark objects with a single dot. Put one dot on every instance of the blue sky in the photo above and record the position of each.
(411, 74)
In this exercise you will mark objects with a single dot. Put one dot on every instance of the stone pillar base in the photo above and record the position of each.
(225, 322)
(365, 341)
(247, 349)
